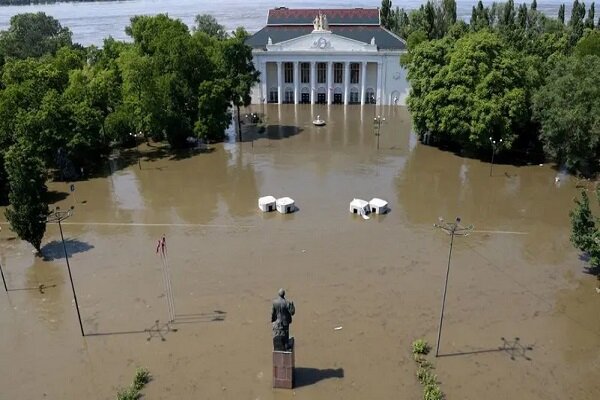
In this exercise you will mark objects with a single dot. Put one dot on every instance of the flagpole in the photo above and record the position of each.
(168, 269)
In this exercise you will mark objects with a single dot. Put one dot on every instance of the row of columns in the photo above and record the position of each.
(328, 83)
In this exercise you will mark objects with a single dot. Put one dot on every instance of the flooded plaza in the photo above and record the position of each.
(381, 280)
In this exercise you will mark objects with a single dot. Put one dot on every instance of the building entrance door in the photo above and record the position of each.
(321, 99)
(305, 99)
(337, 98)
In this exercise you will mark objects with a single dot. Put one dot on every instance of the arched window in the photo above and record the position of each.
(289, 95)
(370, 96)
(273, 95)
(354, 96)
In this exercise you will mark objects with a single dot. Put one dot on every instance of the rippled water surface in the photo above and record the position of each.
(381, 280)
(94, 21)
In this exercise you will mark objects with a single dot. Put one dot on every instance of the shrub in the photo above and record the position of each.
(420, 346)
(142, 376)
(128, 394)
(432, 392)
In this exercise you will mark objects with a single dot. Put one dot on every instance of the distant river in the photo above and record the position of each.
(92, 22)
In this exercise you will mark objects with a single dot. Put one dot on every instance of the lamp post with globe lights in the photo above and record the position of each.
(377, 121)
(495, 145)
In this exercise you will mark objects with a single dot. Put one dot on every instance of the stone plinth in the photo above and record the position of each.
(283, 368)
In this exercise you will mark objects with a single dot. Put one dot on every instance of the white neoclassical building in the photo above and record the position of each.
(328, 56)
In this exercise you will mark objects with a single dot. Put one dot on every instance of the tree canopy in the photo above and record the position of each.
(63, 106)
(512, 73)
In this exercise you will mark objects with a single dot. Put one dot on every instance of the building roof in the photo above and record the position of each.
(384, 39)
(335, 16)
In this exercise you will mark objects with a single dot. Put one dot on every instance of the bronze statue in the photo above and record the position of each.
(281, 318)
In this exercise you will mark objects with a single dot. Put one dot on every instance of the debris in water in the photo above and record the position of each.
(338, 328)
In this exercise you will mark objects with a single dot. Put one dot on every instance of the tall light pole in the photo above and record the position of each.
(377, 121)
(2, 273)
(135, 136)
(451, 228)
(58, 216)
(494, 143)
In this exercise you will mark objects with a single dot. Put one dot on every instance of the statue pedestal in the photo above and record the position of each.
(283, 368)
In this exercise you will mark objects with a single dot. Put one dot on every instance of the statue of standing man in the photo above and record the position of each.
(281, 318)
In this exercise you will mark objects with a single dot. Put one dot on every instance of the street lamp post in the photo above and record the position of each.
(377, 121)
(2, 273)
(494, 148)
(137, 149)
(58, 216)
(451, 228)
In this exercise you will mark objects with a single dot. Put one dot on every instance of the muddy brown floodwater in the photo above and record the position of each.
(380, 279)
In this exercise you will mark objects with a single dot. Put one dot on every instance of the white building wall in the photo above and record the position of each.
(395, 82)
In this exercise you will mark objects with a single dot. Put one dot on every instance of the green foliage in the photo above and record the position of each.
(468, 90)
(568, 110)
(432, 392)
(129, 393)
(26, 174)
(33, 35)
(589, 45)
(207, 24)
(420, 346)
(585, 228)
(142, 377)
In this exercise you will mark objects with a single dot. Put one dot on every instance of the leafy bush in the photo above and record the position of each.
(420, 346)
(128, 394)
(432, 392)
(142, 376)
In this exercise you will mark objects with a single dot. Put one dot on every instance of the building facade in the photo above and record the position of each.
(332, 56)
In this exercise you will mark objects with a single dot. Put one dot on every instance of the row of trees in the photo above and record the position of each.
(511, 73)
(585, 230)
(63, 106)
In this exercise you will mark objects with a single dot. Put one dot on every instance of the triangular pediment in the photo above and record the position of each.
(322, 41)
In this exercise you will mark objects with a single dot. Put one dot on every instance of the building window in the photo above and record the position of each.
(370, 96)
(338, 73)
(354, 72)
(289, 95)
(304, 72)
(288, 69)
(354, 98)
(273, 95)
(321, 72)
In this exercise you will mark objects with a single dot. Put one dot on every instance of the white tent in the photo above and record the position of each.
(285, 205)
(360, 207)
(266, 203)
(378, 206)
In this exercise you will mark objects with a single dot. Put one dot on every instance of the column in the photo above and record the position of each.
(263, 82)
(329, 82)
(346, 83)
(296, 82)
(279, 81)
(379, 80)
(363, 80)
(313, 80)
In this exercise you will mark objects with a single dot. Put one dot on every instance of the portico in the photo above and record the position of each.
(351, 60)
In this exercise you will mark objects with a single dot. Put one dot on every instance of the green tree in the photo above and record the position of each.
(589, 22)
(207, 24)
(238, 70)
(26, 174)
(585, 228)
(213, 110)
(588, 45)
(561, 13)
(467, 91)
(33, 35)
(386, 14)
(568, 110)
